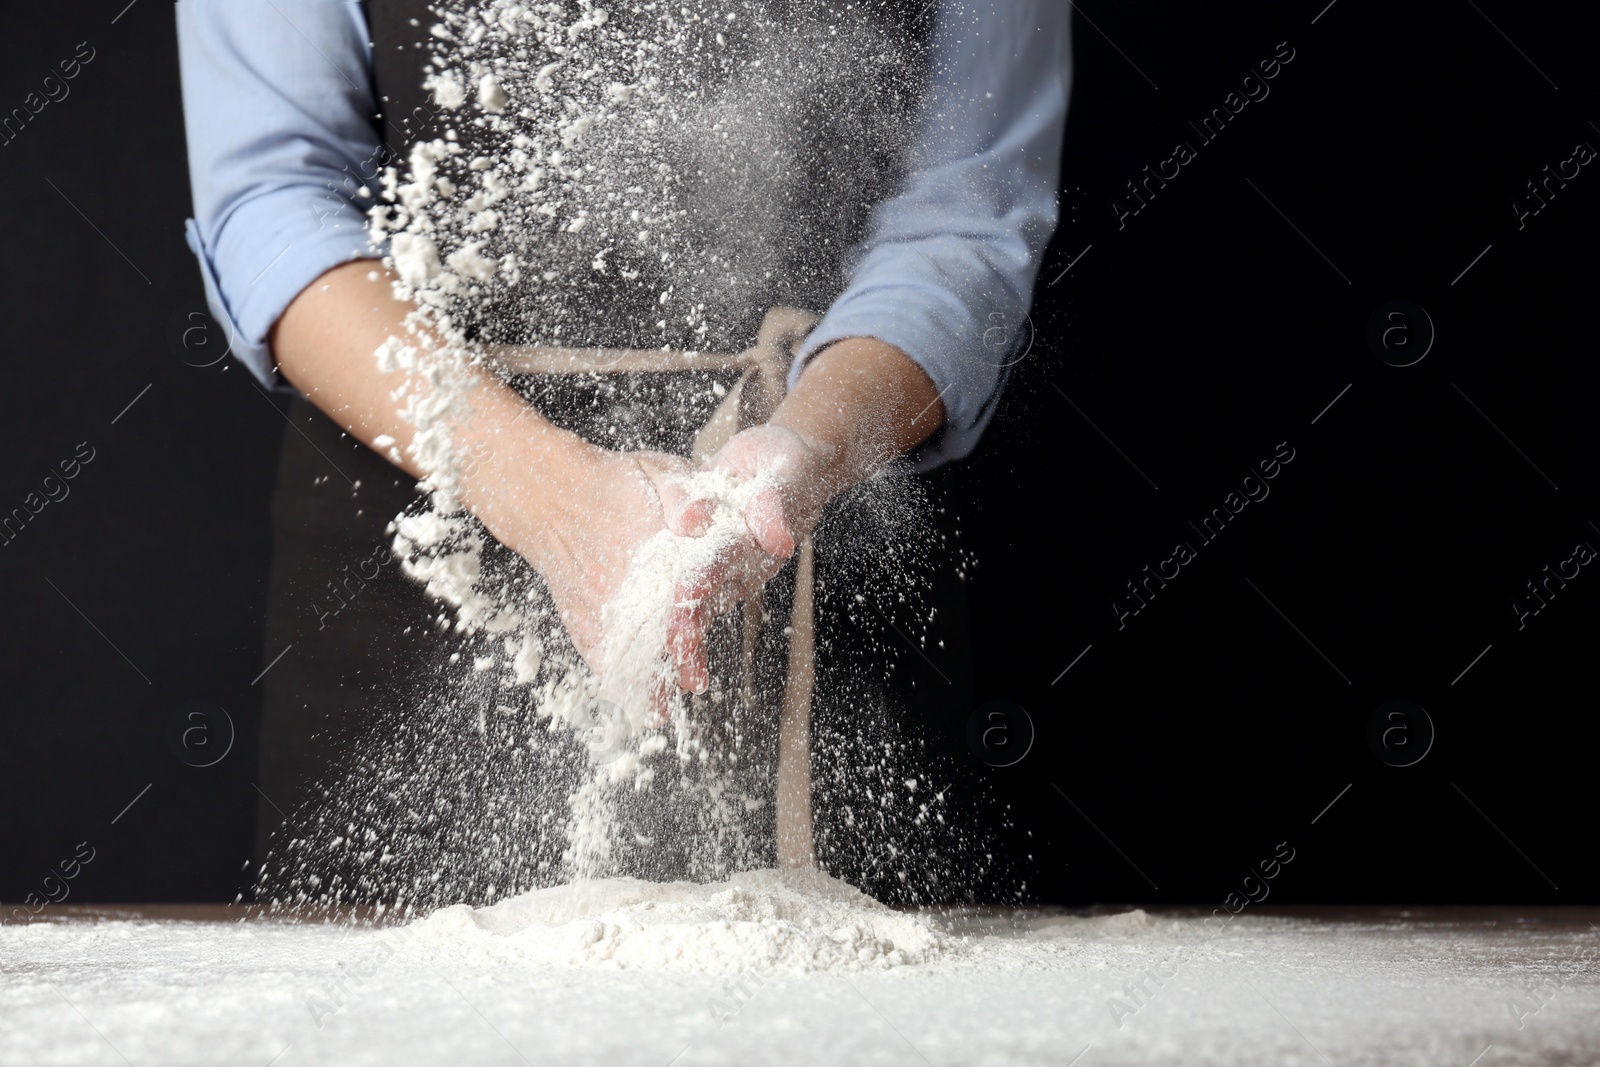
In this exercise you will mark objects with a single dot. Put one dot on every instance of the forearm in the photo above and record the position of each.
(325, 344)
(858, 404)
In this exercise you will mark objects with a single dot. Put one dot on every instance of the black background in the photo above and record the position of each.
(1177, 751)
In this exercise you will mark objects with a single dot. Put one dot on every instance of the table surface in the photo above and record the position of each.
(1328, 985)
(1575, 918)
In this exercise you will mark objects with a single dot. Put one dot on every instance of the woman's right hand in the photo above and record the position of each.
(580, 514)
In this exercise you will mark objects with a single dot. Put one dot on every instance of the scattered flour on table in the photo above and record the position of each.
(787, 920)
(1122, 924)
(1387, 990)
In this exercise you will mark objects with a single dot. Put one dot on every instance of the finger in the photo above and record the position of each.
(686, 516)
(660, 706)
(686, 629)
(742, 573)
(685, 513)
(694, 676)
(741, 456)
(768, 523)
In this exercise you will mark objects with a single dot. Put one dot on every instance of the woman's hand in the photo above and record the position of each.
(580, 519)
(782, 513)
(577, 512)
(858, 404)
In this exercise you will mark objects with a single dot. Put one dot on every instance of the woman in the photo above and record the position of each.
(284, 128)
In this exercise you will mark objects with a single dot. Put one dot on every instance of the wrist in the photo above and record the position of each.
(827, 463)
(859, 403)
(519, 474)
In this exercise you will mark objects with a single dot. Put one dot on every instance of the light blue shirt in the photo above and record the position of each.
(284, 157)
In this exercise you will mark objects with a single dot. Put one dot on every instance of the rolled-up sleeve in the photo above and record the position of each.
(946, 271)
(284, 154)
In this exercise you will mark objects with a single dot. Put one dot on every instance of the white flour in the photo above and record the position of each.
(1402, 989)
(789, 920)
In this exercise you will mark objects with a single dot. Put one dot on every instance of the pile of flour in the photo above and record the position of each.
(783, 920)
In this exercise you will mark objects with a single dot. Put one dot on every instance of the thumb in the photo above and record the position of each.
(768, 521)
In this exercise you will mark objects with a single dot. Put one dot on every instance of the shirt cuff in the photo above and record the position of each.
(967, 365)
(263, 280)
